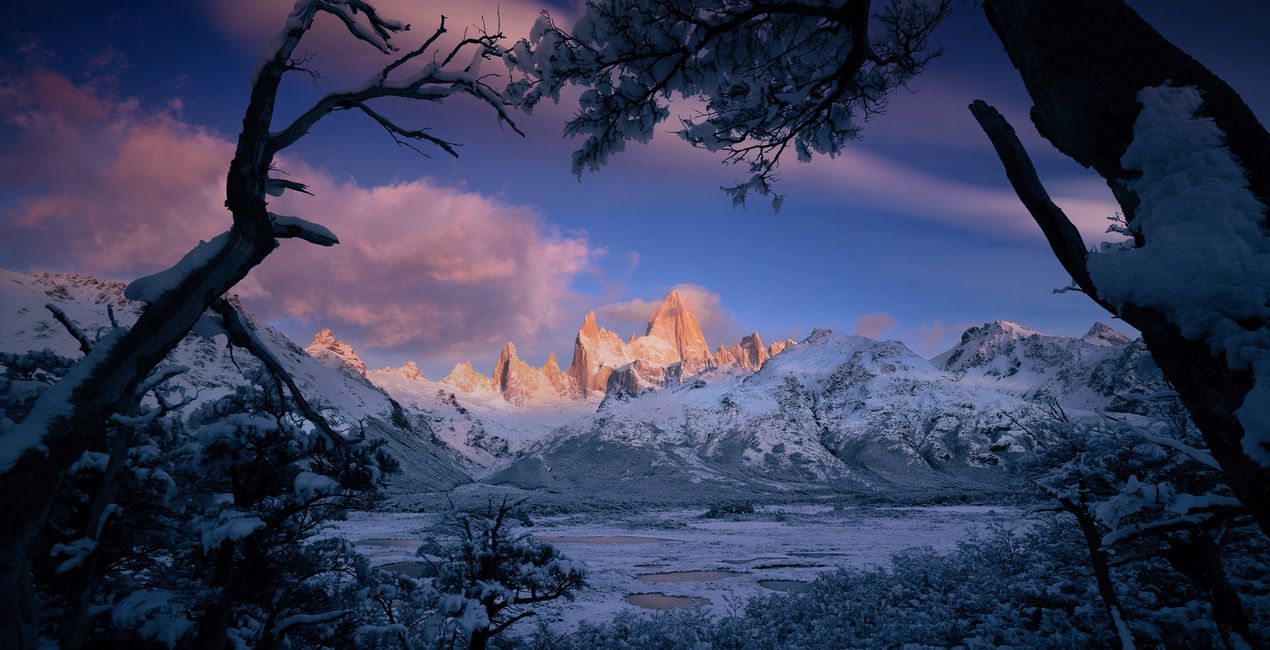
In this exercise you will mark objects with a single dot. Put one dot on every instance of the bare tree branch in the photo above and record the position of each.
(84, 345)
(1063, 237)
(242, 334)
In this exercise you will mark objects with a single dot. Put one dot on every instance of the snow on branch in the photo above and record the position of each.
(152, 287)
(84, 345)
(297, 228)
(375, 30)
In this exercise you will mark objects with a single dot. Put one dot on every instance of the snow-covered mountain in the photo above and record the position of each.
(330, 382)
(835, 410)
(832, 412)
(1102, 369)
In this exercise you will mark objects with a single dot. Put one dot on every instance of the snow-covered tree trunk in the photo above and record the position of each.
(1190, 166)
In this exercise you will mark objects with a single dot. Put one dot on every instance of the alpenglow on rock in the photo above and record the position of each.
(334, 352)
(675, 323)
(673, 347)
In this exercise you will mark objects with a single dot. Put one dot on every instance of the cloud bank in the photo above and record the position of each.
(102, 185)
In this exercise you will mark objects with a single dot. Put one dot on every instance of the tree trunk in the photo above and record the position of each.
(1102, 572)
(1198, 557)
(105, 379)
(1083, 63)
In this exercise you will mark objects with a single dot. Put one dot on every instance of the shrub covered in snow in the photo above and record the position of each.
(1005, 590)
(479, 582)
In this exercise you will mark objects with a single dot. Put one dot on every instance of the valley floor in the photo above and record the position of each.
(681, 558)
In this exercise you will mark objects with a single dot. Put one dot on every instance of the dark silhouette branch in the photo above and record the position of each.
(243, 335)
(1063, 237)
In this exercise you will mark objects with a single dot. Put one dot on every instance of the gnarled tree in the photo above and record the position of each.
(36, 454)
(1190, 166)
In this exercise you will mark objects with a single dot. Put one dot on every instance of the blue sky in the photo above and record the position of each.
(915, 224)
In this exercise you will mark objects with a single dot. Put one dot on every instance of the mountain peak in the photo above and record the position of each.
(753, 354)
(465, 378)
(589, 326)
(409, 371)
(334, 352)
(1102, 334)
(817, 335)
(676, 324)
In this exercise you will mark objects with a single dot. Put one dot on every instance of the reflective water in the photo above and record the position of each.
(787, 586)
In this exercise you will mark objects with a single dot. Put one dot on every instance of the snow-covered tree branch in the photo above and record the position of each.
(773, 76)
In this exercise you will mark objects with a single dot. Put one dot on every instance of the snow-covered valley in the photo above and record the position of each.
(681, 558)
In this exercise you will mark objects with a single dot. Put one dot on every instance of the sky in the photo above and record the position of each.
(117, 121)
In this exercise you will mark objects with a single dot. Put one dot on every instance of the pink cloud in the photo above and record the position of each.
(104, 186)
(875, 325)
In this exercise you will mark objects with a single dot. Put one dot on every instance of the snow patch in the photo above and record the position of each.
(1205, 260)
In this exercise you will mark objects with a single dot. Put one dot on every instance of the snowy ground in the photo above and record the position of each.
(778, 547)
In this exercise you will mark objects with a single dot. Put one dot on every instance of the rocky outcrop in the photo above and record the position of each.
(676, 324)
(409, 371)
(636, 378)
(521, 383)
(726, 357)
(1102, 334)
(749, 354)
(673, 336)
(466, 379)
(335, 353)
(559, 381)
(673, 344)
(594, 347)
(777, 347)
(753, 354)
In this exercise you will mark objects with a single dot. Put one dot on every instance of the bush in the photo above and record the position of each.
(729, 509)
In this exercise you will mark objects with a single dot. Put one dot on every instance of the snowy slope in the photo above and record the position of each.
(836, 410)
(1083, 373)
(347, 400)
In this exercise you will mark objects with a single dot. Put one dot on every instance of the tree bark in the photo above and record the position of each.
(1083, 63)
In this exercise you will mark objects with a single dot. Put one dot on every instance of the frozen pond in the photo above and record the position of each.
(692, 561)
(688, 576)
(789, 586)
